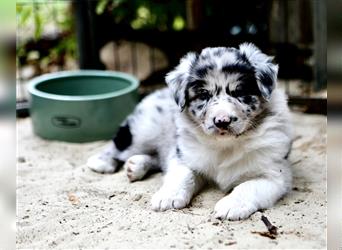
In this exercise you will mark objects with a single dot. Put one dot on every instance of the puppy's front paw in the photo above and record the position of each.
(233, 208)
(102, 163)
(167, 199)
(136, 167)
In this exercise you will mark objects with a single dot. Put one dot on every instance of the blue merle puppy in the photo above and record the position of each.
(220, 119)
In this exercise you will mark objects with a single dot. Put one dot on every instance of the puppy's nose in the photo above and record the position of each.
(224, 122)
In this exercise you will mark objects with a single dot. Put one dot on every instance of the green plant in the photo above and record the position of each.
(38, 20)
(146, 14)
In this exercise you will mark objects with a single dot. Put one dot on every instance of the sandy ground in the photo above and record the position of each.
(61, 204)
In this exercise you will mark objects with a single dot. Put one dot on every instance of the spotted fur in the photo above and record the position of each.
(220, 119)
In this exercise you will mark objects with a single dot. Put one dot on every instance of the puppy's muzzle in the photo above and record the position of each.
(223, 122)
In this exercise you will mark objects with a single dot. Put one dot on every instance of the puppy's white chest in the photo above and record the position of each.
(223, 166)
(209, 161)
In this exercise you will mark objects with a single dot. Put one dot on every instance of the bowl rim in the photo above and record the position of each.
(32, 86)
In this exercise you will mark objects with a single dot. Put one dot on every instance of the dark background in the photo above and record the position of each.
(293, 31)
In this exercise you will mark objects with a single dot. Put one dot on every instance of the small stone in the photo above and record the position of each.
(137, 197)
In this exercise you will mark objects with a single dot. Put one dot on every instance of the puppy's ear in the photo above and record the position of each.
(265, 70)
(178, 79)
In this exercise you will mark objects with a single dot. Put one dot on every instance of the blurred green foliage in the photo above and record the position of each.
(146, 14)
(37, 20)
(42, 14)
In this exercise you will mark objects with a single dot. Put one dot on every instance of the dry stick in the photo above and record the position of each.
(271, 228)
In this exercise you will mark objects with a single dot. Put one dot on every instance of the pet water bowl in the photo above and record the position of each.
(81, 106)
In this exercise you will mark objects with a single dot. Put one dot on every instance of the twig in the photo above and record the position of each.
(271, 228)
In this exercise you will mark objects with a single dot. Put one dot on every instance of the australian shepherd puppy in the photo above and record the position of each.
(220, 119)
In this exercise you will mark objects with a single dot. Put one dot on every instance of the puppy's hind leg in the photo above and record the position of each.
(138, 165)
(104, 161)
(107, 160)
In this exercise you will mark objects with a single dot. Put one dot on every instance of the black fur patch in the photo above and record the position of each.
(196, 84)
(200, 106)
(196, 87)
(242, 57)
(234, 118)
(238, 68)
(203, 95)
(218, 90)
(159, 109)
(123, 138)
(288, 152)
(248, 86)
(201, 72)
(176, 98)
(266, 80)
(247, 99)
(194, 62)
(178, 152)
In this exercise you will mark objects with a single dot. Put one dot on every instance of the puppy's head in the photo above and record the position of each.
(224, 90)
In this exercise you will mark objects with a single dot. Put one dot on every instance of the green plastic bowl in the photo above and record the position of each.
(81, 106)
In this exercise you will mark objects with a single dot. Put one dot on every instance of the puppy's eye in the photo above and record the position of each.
(203, 95)
(247, 99)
